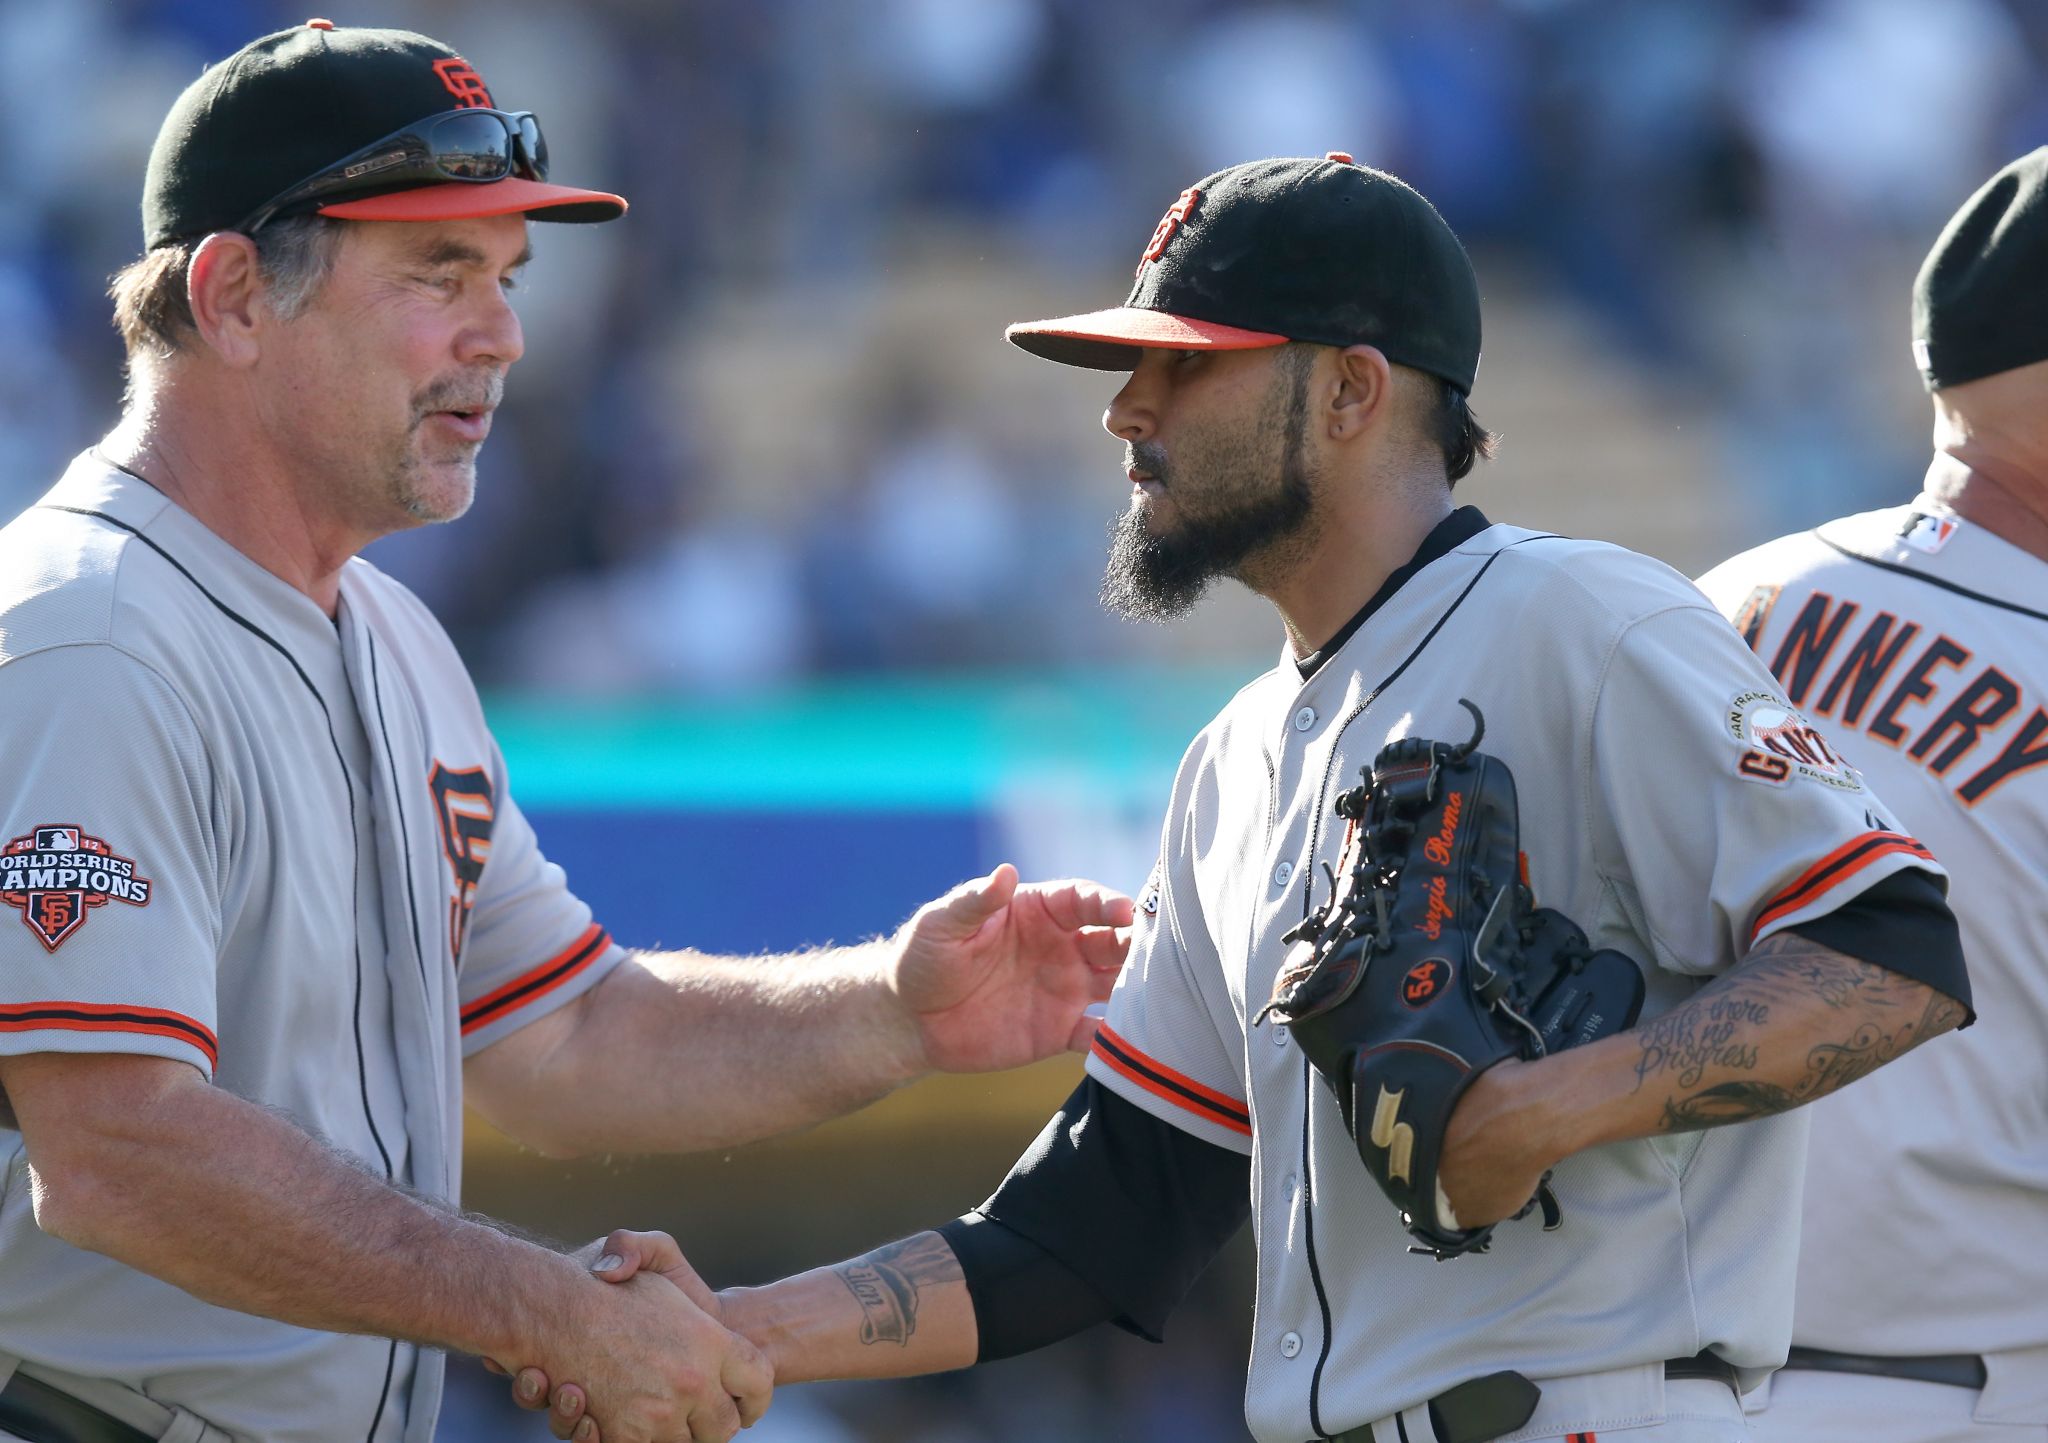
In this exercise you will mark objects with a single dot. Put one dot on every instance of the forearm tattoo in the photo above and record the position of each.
(1728, 1028)
(887, 1283)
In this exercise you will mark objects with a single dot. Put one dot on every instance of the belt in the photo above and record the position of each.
(1483, 1408)
(42, 1414)
(1958, 1370)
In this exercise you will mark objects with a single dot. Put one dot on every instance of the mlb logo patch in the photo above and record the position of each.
(1929, 533)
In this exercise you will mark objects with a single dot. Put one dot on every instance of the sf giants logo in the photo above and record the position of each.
(464, 83)
(56, 873)
(464, 802)
(1169, 225)
(1438, 848)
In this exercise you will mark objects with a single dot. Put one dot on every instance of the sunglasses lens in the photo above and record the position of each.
(472, 145)
(536, 146)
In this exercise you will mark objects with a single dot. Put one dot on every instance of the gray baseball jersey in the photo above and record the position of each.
(1921, 642)
(274, 846)
(1671, 803)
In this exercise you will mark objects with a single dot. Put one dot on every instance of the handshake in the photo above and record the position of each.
(655, 1357)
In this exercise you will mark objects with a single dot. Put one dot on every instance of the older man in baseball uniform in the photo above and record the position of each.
(1301, 341)
(278, 909)
(1918, 636)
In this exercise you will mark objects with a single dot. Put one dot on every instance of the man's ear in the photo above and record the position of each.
(225, 285)
(1365, 387)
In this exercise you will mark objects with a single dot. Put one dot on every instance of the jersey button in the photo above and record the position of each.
(1290, 1344)
(1283, 874)
(1288, 1185)
(1305, 718)
(1279, 1036)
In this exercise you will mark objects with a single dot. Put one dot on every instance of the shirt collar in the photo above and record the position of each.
(1447, 535)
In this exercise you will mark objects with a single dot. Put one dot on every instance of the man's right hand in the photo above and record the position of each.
(652, 1360)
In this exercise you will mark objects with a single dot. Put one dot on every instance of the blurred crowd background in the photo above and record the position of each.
(766, 438)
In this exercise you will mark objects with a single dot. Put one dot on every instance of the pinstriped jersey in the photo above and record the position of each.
(1673, 803)
(280, 848)
(1921, 641)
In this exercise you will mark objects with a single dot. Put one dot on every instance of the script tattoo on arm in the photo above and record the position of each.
(1793, 1022)
(886, 1284)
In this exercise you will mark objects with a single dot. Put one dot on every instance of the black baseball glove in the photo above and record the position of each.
(1429, 962)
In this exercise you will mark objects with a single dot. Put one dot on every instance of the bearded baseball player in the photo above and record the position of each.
(279, 913)
(1919, 637)
(1517, 887)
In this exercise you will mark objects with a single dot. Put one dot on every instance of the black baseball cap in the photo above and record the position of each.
(1326, 251)
(286, 106)
(1980, 302)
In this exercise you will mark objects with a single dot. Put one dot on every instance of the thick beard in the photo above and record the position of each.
(1160, 576)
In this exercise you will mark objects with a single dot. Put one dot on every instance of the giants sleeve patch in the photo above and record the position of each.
(56, 875)
(1779, 744)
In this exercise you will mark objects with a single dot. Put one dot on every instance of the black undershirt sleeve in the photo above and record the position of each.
(1902, 924)
(1110, 1216)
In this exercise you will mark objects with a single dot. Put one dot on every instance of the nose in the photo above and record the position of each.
(1130, 416)
(494, 335)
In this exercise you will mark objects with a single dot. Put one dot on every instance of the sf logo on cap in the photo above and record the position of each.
(1169, 225)
(464, 83)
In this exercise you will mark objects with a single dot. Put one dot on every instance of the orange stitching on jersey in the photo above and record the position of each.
(529, 986)
(1175, 1087)
(1836, 867)
(104, 1017)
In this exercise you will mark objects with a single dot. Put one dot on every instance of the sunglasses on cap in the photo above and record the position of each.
(473, 144)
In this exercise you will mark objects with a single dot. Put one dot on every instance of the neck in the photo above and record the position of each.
(239, 488)
(1358, 547)
(1993, 477)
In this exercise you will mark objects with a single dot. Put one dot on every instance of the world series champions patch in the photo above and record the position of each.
(57, 874)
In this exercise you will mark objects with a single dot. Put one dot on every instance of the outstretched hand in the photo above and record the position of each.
(996, 974)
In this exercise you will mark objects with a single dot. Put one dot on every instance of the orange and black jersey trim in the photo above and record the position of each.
(102, 1017)
(1176, 1087)
(1902, 924)
(592, 944)
(1834, 869)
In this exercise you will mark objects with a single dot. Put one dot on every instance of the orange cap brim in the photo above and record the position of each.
(458, 200)
(1111, 340)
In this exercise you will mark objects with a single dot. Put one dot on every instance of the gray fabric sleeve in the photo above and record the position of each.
(531, 944)
(111, 861)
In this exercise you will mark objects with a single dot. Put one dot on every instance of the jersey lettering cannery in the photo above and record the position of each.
(1907, 684)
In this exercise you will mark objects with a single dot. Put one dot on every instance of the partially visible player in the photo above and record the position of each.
(1918, 637)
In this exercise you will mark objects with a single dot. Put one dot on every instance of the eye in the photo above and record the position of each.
(509, 283)
(1182, 358)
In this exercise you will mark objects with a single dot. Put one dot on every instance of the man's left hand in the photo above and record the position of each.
(996, 974)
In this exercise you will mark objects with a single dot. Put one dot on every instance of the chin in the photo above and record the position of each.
(439, 493)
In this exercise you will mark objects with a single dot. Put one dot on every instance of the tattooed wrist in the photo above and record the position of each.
(888, 1284)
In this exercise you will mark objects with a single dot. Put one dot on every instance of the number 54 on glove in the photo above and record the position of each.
(1429, 962)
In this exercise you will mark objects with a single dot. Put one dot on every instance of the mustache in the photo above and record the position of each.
(1148, 457)
(459, 393)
